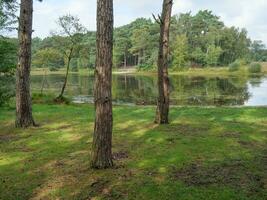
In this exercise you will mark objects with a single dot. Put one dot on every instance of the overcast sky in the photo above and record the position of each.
(249, 14)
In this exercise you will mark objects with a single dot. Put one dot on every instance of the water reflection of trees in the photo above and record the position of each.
(135, 89)
(143, 89)
(209, 91)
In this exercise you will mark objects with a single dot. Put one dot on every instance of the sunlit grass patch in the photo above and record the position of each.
(204, 153)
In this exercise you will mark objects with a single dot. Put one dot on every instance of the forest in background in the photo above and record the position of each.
(195, 41)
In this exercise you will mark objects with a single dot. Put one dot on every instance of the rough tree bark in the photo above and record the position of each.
(162, 114)
(24, 116)
(102, 138)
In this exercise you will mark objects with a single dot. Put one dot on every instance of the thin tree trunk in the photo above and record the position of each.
(43, 82)
(125, 60)
(24, 116)
(162, 115)
(66, 76)
(102, 138)
(89, 58)
(139, 59)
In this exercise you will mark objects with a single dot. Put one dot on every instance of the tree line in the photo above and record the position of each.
(195, 41)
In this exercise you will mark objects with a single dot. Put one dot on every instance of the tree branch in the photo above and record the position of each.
(157, 19)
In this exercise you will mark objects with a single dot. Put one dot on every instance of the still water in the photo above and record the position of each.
(185, 90)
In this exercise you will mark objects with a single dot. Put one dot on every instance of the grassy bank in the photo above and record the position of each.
(207, 71)
(205, 153)
(83, 72)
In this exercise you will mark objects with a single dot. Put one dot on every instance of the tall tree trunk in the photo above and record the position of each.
(102, 138)
(162, 114)
(24, 116)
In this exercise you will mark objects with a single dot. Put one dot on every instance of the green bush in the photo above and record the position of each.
(7, 88)
(234, 66)
(145, 67)
(74, 69)
(255, 68)
(53, 68)
(243, 61)
(38, 98)
(42, 98)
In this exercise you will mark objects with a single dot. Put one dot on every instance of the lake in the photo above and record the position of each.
(185, 90)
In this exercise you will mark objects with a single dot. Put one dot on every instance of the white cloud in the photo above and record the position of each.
(182, 6)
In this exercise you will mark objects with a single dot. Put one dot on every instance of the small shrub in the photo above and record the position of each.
(145, 67)
(42, 98)
(243, 61)
(74, 69)
(62, 100)
(255, 68)
(53, 68)
(234, 66)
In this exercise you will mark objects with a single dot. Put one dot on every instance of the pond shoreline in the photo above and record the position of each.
(142, 89)
(207, 71)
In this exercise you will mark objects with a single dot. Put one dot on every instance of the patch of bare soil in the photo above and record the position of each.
(231, 135)
(232, 173)
(5, 138)
(249, 144)
(97, 189)
(184, 129)
(121, 155)
(8, 138)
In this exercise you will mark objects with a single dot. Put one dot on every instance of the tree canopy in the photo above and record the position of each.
(196, 41)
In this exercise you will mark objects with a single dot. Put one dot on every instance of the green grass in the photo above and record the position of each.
(204, 153)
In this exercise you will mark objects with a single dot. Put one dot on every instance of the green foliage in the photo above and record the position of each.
(48, 57)
(7, 88)
(255, 68)
(235, 66)
(213, 55)
(8, 52)
(69, 39)
(258, 51)
(8, 10)
(198, 57)
(244, 61)
(180, 52)
(146, 67)
(8, 55)
(53, 68)
(201, 39)
(38, 98)
(74, 65)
